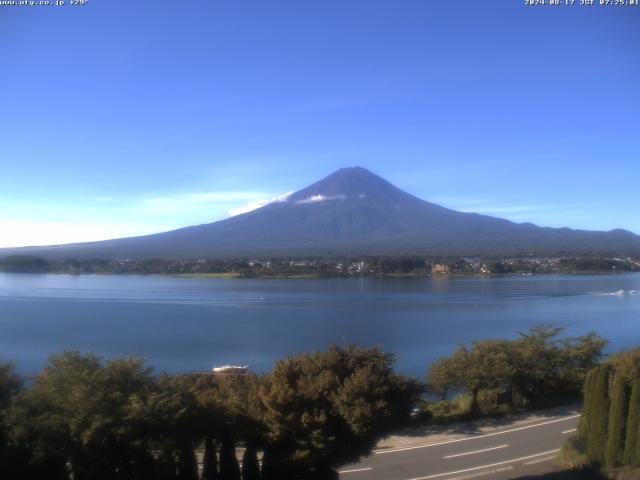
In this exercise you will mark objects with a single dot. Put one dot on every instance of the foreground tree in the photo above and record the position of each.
(617, 422)
(599, 416)
(173, 422)
(229, 467)
(250, 465)
(587, 404)
(538, 366)
(609, 431)
(232, 409)
(75, 416)
(166, 466)
(548, 365)
(187, 463)
(209, 460)
(627, 364)
(487, 365)
(10, 386)
(632, 442)
(330, 408)
(90, 419)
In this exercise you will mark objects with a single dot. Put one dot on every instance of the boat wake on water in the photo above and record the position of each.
(618, 293)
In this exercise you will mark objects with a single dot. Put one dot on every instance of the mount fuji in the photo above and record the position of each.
(351, 212)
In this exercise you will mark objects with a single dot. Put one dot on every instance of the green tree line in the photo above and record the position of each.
(84, 417)
(540, 367)
(317, 266)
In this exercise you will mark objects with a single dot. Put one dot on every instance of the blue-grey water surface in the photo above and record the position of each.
(185, 324)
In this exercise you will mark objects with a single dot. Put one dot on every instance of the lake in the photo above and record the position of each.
(186, 324)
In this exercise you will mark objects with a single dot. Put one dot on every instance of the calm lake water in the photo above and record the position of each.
(185, 324)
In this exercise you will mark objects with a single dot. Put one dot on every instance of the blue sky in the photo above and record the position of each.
(123, 118)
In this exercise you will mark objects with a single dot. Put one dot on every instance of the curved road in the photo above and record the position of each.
(466, 457)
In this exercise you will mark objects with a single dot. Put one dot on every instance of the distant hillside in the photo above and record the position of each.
(352, 212)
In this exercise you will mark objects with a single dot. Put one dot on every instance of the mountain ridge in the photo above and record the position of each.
(351, 212)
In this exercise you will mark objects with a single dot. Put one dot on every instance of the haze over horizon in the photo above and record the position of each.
(521, 113)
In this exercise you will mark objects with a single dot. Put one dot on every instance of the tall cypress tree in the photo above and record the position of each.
(617, 422)
(599, 416)
(268, 471)
(632, 444)
(144, 465)
(229, 468)
(210, 460)
(166, 467)
(187, 463)
(273, 467)
(636, 461)
(585, 420)
(250, 465)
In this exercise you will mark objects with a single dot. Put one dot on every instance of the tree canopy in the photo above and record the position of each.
(540, 364)
(84, 417)
(329, 408)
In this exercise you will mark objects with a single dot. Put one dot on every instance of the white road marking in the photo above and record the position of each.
(356, 470)
(477, 451)
(484, 474)
(487, 466)
(465, 439)
(539, 460)
(570, 431)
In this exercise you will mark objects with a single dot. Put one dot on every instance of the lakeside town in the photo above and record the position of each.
(318, 267)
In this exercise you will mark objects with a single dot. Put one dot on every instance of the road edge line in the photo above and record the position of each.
(504, 462)
(475, 437)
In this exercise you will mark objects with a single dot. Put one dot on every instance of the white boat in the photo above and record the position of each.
(231, 370)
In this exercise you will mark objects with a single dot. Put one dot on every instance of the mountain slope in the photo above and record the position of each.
(352, 211)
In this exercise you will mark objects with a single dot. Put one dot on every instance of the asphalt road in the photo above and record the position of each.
(465, 457)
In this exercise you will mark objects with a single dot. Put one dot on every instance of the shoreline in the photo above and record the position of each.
(311, 276)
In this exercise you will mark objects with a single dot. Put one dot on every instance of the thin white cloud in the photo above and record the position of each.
(35, 233)
(190, 202)
(255, 204)
(321, 198)
(99, 219)
(314, 199)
